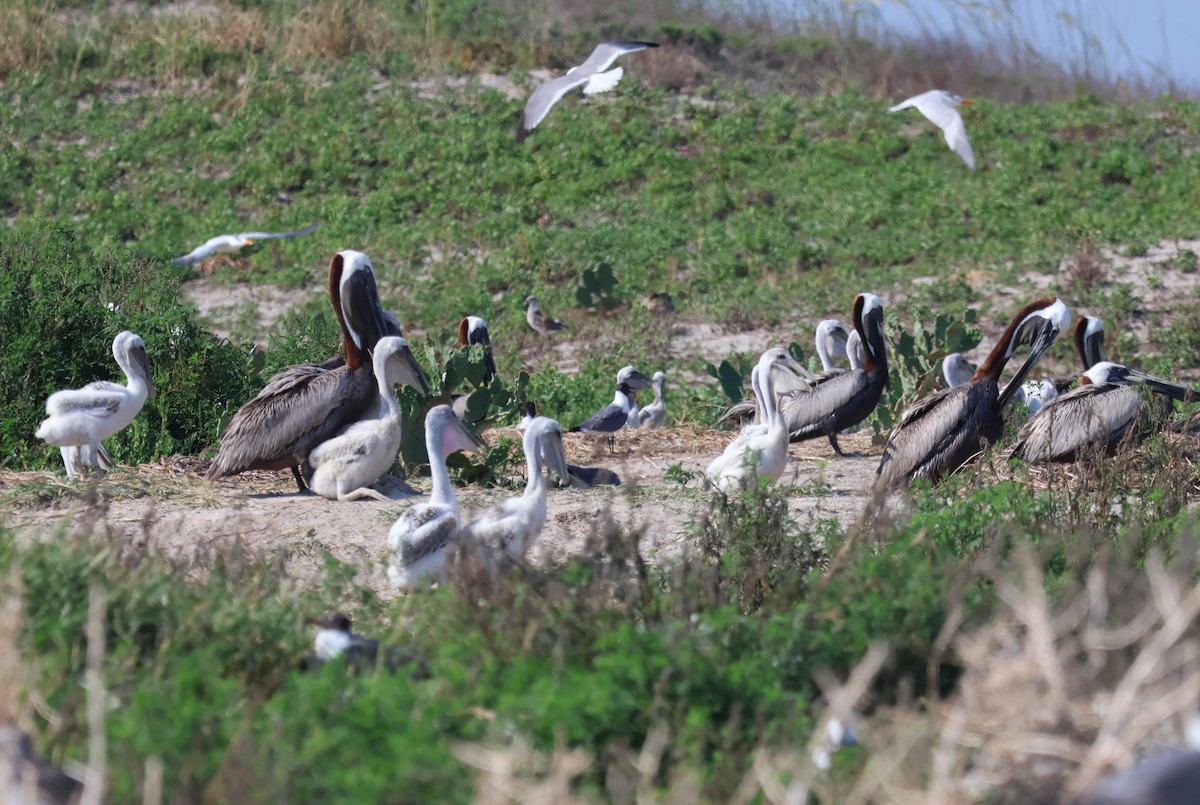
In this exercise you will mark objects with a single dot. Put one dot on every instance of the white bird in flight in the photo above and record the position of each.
(939, 106)
(232, 243)
(593, 73)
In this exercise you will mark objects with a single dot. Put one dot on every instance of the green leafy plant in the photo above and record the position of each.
(597, 288)
(915, 358)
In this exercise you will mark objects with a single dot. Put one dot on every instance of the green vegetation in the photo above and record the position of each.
(128, 138)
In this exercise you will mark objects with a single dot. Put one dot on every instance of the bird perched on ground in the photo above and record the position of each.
(593, 73)
(233, 243)
(654, 414)
(80, 419)
(425, 532)
(538, 320)
(577, 477)
(941, 108)
(345, 466)
(614, 416)
(334, 639)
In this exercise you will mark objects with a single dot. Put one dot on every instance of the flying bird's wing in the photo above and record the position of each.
(199, 253)
(295, 233)
(543, 99)
(606, 53)
(956, 137)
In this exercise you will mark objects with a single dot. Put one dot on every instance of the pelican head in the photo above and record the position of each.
(628, 376)
(474, 330)
(778, 359)
(956, 369)
(1109, 372)
(330, 620)
(1089, 340)
(868, 321)
(400, 365)
(1041, 323)
(453, 433)
(831, 341)
(129, 350)
(358, 297)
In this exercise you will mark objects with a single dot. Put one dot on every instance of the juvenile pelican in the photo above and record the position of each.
(424, 532)
(233, 243)
(846, 398)
(304, 405)
(956, 369)
(514, 524)
(1095, 416)
(939, 106)
(591, 73)
(759, 451)
(946, 430)
(556, 459)
(78, 420)
(344, 467)
(538, 320)
(654, 414)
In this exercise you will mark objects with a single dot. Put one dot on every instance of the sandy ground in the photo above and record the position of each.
(185, 516)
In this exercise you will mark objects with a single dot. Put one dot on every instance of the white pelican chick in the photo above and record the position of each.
(759, 451)
(514, 524)
(424, 532)
(83, 418)
(941, 109)
(344, 467)
(593, 74)
(233, 243)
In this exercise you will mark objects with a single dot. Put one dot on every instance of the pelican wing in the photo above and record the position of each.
(98, 399)
(421, 530)
(1093, 415)
(498, 526)
(939, 434)
(830, 406)
(298, 409)
(543, 99)
(295, 233)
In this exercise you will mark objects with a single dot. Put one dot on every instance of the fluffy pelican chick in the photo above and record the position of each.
(514, 524)
(593, 74)
(344, 467)
(424, 532)
(83, 418)
(1095, 416)
(946, 430)
(759, 451)
(233, 243)
(941, 109)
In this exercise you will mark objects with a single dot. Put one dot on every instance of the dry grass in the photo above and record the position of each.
(1086, 268)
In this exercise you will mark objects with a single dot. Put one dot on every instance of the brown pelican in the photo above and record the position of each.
(474, 330)
(1095, 416)
(304, 405)
(946, 430)
(939, 106)
(846, 398)
(539, 320)
(759, 451)
(514, 524)
(78, 420)
(1089, 341)
(593, 74)
(425, 532)
(344, 467)
(1032, 394)
(654, 414)
(233, 243)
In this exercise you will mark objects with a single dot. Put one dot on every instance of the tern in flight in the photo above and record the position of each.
(232, 243)
(593, 74)
(939, 106)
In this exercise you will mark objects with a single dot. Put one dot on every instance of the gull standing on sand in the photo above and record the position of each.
(591, 73)
(78, 420)
(538, 320)
(939, 106)
(232, 243)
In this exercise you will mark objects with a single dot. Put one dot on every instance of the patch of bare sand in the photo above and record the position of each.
(227, 306)
(186, 516)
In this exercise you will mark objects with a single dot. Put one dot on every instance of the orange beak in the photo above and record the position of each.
(249, 243)
(967, 102)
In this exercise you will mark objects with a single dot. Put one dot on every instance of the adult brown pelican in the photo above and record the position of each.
(304, 405)
(946, 430)
(846, 398)
(78, 420)
(473, 330)
(1096, 416)
(1089, 341)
